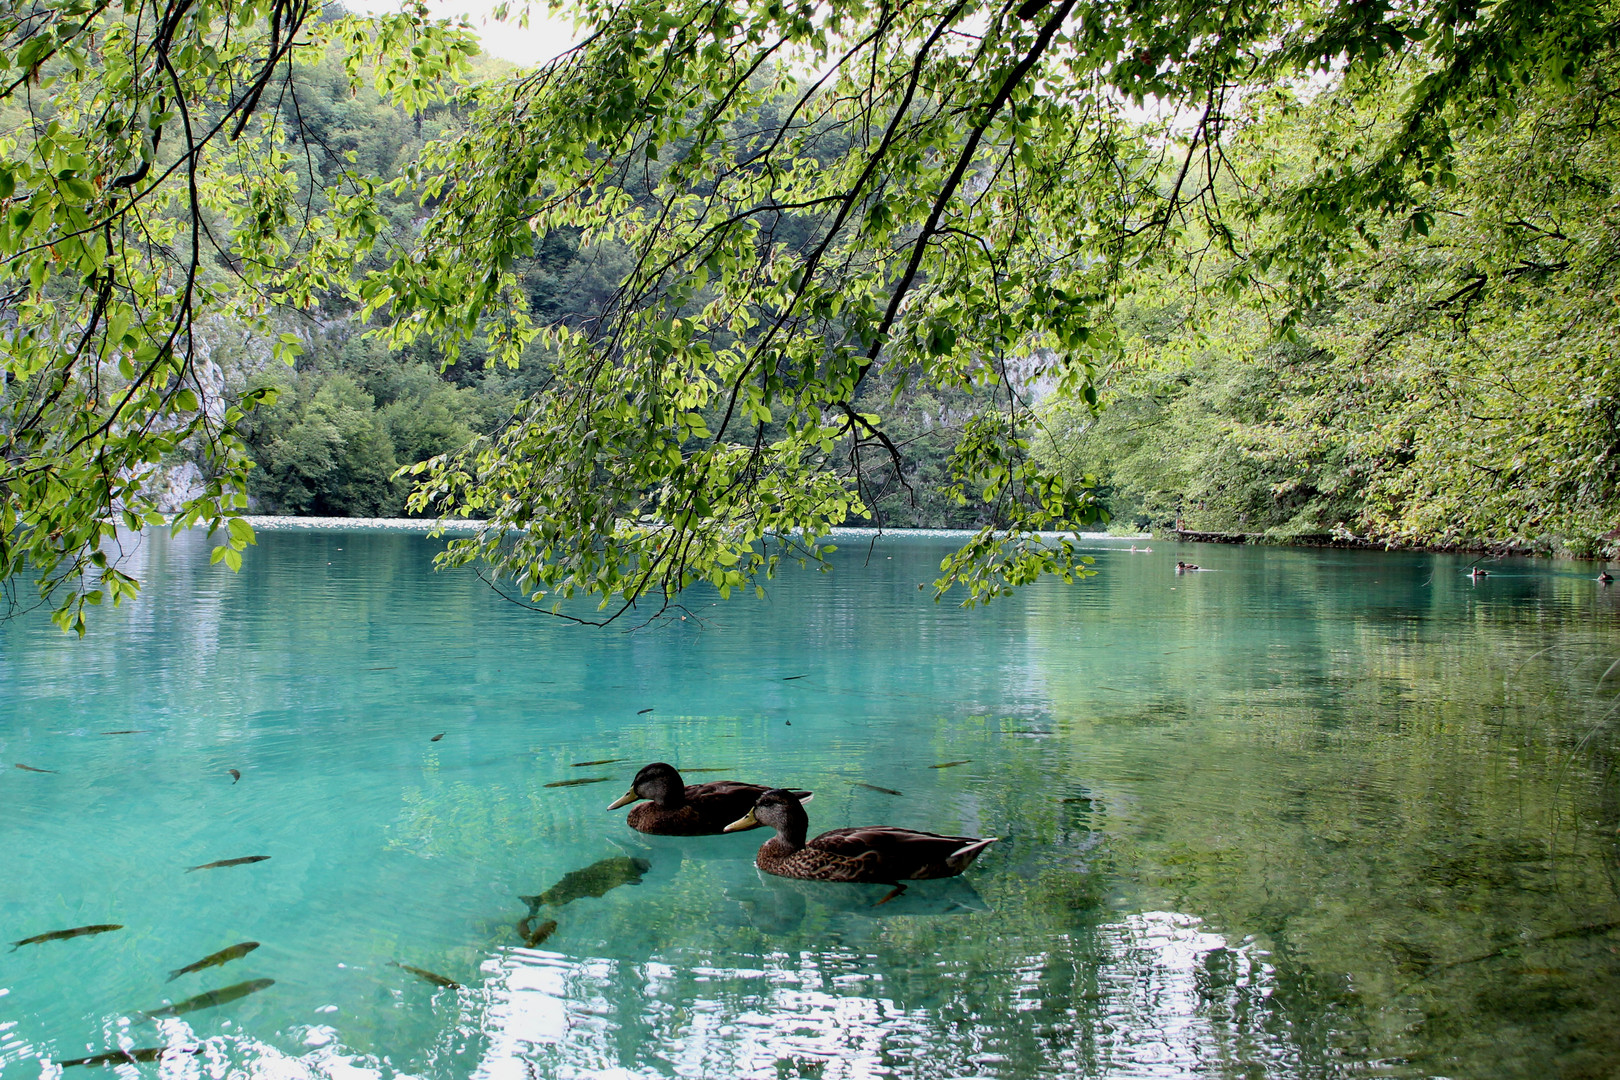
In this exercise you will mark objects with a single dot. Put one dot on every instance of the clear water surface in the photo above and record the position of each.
(1313, 814)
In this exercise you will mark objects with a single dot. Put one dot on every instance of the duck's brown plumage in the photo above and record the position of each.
(869, 853)
(704, 809)
(678, 809)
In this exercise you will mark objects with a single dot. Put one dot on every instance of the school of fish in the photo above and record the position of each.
(588, 882)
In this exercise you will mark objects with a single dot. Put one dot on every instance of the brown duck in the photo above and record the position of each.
(870, 853)
(680, 809)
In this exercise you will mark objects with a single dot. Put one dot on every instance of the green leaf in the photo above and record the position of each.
(241, 533)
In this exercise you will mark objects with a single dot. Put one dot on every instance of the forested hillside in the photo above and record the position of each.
(1454, 385)
(1450, 378)
(351, 411)
(725, 275)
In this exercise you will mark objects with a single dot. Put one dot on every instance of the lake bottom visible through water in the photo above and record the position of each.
(1312, 813)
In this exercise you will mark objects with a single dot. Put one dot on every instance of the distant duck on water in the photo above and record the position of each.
(676, 808)
(1183, 567)
(883, 854)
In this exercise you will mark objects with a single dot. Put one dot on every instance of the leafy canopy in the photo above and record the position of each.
(147, 182)
(947, 192)
(1451, 380)
(815, 198)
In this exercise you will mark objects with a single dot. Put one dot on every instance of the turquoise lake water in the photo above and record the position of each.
(1312, 814)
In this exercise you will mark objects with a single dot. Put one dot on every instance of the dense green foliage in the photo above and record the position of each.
(754, 272)
(950, 206)
(151, 180)
(347, 413)
(1452, 379)
(350, 413)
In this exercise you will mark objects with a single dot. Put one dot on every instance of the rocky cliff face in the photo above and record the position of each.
(176, 485)
(228, 355)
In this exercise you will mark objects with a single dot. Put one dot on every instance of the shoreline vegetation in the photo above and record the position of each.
(291, 523)
(1204, 429)
(1494, 549)
(669, 276)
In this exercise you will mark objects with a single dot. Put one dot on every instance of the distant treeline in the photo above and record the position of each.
(352, 412)
(1452, 378)
(1452, 381)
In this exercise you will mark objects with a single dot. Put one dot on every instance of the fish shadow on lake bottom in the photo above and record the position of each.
(597, 879)
(739, 895)
(145, 1055)
(589, 882)
(208, 1000)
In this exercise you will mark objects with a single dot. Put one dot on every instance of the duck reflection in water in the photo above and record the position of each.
(777, 905)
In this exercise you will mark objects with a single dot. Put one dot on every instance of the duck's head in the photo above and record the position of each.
(658, 782)
(780, 809)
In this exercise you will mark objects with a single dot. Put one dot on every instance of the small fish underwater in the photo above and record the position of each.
(145, 1054)
(874, 787)
(63, 935)
(243, 861)
(427, 976)
(592, 881)
(210, 999)
(224, 956)
(577, 783)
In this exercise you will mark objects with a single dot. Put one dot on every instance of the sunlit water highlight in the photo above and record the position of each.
(1317, 813)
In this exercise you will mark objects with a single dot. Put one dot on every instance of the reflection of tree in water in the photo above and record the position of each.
(1384, 811)
(1405, 797)
(1369, 909)
(1152, 993)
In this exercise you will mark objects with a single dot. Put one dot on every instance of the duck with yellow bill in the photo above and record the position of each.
(886, 854)
(673, 807)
